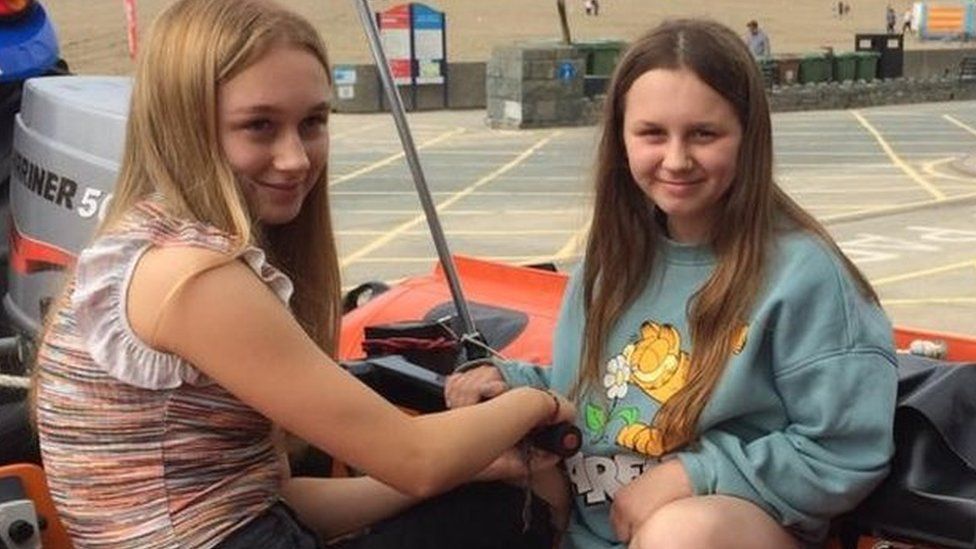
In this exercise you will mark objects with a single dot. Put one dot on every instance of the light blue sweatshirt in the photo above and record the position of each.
(800, 422)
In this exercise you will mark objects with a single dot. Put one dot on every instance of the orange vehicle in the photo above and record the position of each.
(515, 310)
(913, 506)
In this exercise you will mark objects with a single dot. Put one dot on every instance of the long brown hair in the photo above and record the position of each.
(624, 230)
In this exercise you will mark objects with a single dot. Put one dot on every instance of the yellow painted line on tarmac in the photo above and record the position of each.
(360, 254)
(850, 190)
(849, 207)
(354, 131)
(930, 169)
(924, 272)
(931, 301)
(895, 207)
(959, 123)
(393, 158)
(936, 193)
(820, 166)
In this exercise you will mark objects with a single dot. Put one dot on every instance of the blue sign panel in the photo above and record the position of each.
(566, 71)
(427, 18)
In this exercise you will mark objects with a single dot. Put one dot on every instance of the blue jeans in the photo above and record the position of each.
(276, 528)
(474, 516)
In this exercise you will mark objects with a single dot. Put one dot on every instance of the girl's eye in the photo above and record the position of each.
(259, 125)
(653, 134)
(703, 135)
(313, 125)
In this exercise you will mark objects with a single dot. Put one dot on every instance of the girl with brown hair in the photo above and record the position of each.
(734, 373)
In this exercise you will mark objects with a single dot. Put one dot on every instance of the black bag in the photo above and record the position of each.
(930, 494)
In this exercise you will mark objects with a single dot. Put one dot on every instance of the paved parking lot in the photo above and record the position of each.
(888, 182)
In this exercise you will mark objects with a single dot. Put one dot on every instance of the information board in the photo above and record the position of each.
(414, 41)
(395, 33)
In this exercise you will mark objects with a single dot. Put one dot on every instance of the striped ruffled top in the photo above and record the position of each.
(141, 449)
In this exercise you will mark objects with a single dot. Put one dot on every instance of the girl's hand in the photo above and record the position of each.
(635, 502)
(473, 386)
(564, 411)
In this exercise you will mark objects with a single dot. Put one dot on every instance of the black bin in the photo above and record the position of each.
(891, 47)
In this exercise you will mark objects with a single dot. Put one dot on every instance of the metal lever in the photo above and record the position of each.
(423, 192)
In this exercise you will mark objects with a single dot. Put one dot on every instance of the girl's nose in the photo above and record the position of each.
(677, 158)
(290, 154)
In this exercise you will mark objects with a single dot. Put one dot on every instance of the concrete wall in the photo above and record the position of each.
(935, 63)
(466, 83)
(849, 95)
(465, 90)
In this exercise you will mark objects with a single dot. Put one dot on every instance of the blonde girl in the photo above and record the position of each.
(206, 310)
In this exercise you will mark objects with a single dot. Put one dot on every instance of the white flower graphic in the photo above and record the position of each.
(618, 374)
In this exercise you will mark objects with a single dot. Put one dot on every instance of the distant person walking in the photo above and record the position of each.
(757, 40)
(592, 7)
(890, 19)
(906, 21)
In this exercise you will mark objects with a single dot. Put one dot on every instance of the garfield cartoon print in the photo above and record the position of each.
(656, 367)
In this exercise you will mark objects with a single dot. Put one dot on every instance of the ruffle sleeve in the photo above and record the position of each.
(103, 274)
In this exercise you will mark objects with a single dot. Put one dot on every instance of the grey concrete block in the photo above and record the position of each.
(539, 70)
(507, 52)
(543, 111)
(495, 108)
(572, 111)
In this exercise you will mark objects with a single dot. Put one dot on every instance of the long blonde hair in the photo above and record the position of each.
(624, 229)
(172, 146)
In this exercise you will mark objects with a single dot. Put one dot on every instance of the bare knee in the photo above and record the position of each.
(678, 525)
(709, 521)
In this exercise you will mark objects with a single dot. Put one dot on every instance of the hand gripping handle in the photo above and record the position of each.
(563, 439)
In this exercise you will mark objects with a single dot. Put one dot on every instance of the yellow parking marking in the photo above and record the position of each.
(925, 272)
(848, 207)
(849, 190)
(893, 208)
(828, 168)
(354, 131)
(929, 168)
(936, 193)
(393, 158)
(959, 123)
(360, 254)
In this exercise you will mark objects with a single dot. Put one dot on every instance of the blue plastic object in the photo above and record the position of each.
(28, 45)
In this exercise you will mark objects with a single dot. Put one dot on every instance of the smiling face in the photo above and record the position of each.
(272, 125)
(682, 141)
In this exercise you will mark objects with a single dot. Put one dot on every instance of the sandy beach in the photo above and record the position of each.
(93, 32)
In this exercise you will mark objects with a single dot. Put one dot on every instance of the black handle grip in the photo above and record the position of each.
(562, 439)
